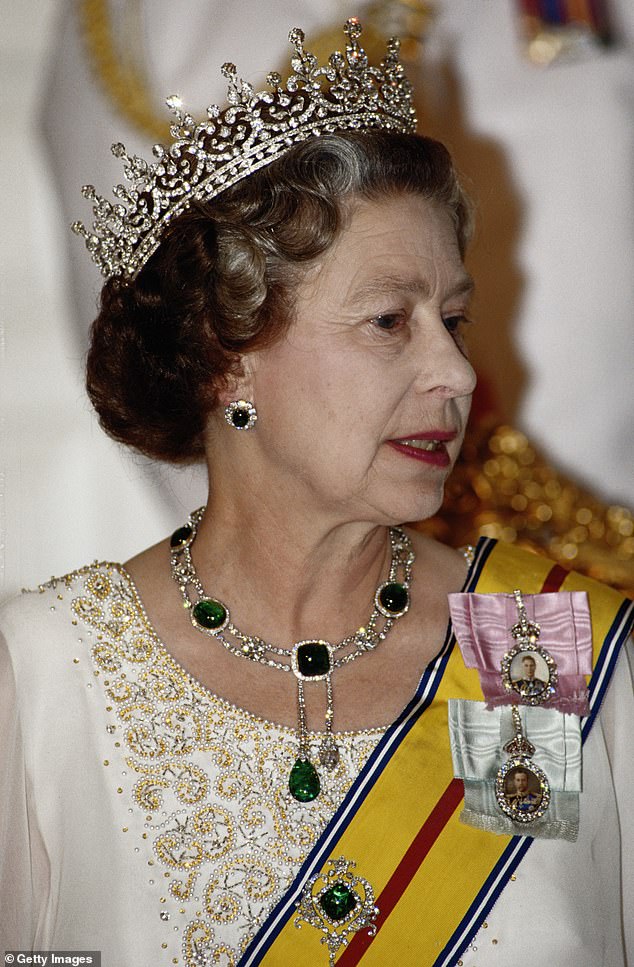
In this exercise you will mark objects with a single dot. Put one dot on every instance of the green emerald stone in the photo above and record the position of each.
(180, 536)
(338, 902)
(394, 597)
(209, 613)
(303, 781)
(313, 659)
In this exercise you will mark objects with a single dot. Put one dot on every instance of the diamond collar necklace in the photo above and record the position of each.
(310, 660)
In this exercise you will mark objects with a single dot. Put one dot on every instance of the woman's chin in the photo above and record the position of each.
(415, 506)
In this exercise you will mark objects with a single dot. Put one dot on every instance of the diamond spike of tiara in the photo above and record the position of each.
(256, 128)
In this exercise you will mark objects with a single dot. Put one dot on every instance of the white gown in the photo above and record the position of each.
(144, 817)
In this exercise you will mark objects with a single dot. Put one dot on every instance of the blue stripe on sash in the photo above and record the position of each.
(620, 629)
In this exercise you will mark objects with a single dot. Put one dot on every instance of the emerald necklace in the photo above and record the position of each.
(311, 660)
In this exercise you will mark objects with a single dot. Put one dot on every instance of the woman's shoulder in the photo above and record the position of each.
(44, 617)
(42, 596)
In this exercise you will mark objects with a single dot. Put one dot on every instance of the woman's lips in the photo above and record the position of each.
(429, 447)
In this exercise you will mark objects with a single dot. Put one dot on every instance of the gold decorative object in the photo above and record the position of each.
(501, 487)
(119, 69)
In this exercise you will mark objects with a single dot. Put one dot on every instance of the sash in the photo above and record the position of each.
(399, 821)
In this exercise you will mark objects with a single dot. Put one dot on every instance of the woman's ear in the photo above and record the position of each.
(240, 385)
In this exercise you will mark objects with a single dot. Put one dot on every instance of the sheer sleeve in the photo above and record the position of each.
(22, 858)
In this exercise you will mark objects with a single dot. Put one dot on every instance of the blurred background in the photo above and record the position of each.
(535, 98)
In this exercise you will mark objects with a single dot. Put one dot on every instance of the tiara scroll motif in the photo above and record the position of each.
(254, 130)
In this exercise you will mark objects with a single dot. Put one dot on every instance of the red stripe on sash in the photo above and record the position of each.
(406, 869)
(426, 836)
(554, 579)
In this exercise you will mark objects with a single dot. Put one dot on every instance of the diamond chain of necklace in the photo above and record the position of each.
(312, 659)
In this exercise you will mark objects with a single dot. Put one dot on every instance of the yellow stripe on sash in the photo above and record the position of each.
(403, 797)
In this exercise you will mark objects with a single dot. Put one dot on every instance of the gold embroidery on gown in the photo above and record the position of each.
(209, 778)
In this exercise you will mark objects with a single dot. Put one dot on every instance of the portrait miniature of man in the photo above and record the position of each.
(525, 680)
(518, 791)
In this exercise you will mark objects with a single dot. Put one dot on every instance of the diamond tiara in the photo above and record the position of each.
(255, 129)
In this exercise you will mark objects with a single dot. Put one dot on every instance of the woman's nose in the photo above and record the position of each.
(444, 367)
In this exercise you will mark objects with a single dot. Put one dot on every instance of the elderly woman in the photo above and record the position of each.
(265, 723)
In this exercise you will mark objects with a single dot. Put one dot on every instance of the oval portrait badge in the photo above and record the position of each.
(522, 790)
(530, 672)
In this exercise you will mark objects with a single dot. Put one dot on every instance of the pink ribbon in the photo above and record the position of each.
(482, 624)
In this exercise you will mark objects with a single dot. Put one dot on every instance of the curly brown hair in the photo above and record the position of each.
(221, 282)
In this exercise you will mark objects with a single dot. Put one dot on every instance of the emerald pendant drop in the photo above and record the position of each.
(303, 781)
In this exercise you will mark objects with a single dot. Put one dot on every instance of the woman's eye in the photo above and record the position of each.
(454, 324)
(387, 321)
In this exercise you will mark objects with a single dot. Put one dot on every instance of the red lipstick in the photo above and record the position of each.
(426, 447)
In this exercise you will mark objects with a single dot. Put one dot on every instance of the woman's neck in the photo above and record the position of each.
(286, 579)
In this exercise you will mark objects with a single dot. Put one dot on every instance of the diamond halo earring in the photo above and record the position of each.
(241, 414)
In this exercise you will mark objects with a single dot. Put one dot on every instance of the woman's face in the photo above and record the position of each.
(362, 405)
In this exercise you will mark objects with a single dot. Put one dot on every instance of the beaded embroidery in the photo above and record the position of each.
(210, 778)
